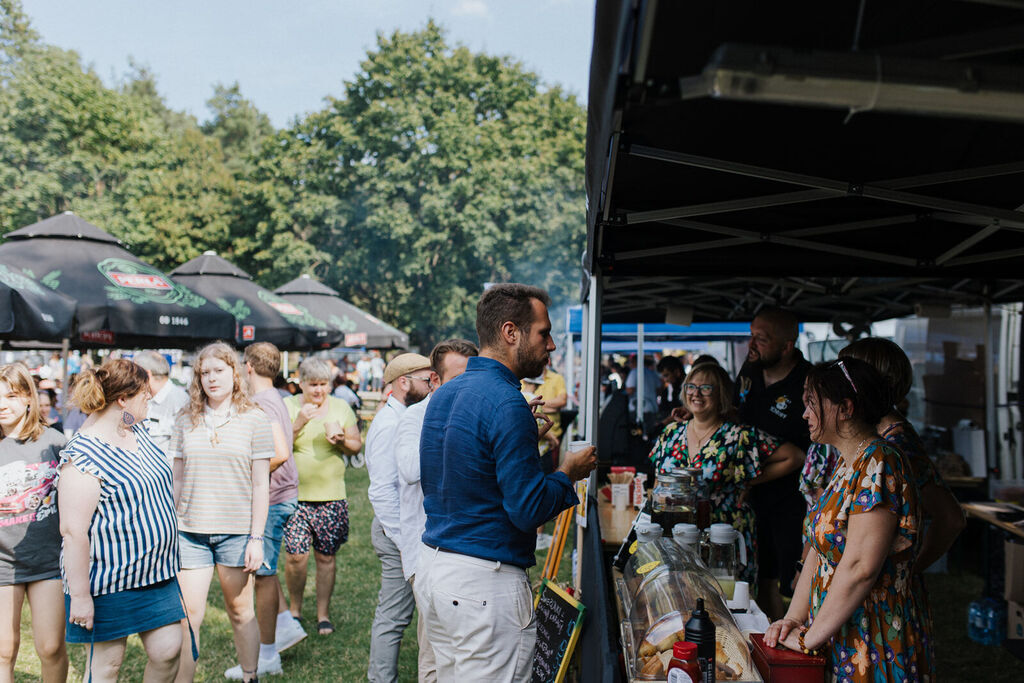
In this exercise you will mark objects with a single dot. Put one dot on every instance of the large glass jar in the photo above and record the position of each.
(659, 588)
(673, 501)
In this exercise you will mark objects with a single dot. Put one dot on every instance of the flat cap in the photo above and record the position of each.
(403, 365)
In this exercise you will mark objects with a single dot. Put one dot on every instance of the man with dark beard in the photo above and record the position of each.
(769, 393)
(485, 495)
(409, 375)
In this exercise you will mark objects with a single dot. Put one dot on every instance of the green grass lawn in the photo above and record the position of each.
(341, 656)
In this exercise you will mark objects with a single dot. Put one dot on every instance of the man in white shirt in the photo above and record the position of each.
(409, 375)
(448, 361)
(166, 400)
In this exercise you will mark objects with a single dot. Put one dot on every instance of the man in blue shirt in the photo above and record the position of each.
(485, 495)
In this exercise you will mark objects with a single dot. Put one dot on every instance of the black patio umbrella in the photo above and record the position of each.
(29, 311)
(261, 314)
(122, 301)
(360, 328)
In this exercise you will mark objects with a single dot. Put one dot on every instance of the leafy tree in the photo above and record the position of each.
(237, 124)
(438, 170)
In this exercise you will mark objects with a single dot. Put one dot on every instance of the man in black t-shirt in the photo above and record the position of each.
(769, 396)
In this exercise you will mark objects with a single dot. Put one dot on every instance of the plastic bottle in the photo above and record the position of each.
(684, 667)
(701, 630)
(975, 624)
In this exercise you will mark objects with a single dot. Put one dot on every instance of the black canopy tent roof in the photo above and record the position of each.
(715, 183)
(725, 171)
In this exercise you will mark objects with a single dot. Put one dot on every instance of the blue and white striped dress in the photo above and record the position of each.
(133, 537)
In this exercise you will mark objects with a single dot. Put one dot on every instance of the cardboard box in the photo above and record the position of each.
(1014, 621)
(1014, 576)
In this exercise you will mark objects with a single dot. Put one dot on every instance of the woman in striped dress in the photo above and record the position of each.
(120, 553)
(222, 444)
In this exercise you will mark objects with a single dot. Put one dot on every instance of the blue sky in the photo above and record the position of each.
(288, 56)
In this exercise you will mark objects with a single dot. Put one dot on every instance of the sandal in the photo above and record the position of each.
(325, 627)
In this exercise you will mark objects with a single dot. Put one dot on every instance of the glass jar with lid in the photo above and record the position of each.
(673, 500)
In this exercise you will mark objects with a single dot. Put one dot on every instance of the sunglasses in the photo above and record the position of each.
(847, 373)
(705, 389)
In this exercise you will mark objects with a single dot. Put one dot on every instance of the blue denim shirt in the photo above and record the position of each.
(483, 488)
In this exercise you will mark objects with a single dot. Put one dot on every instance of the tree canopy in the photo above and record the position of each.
(434, 171)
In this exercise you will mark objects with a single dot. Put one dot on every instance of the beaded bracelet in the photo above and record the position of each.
(256, 538)
(803, 648)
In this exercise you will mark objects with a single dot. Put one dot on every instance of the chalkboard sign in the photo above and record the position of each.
(559, 618)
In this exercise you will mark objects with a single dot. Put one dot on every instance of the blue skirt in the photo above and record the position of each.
(121, 614)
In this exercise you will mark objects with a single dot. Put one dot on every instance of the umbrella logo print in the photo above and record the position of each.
(16, 280)
(140, 284)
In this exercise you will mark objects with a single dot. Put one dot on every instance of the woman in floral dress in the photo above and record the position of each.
(855, 590)
(732, 457)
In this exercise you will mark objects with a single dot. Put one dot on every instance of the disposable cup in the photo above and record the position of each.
(741, 596)
(579, 445)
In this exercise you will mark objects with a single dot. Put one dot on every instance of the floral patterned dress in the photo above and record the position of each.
(885, 637)
(905, 437)
(731, 458)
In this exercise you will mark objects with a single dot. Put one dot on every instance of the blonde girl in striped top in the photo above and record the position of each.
(222, 444)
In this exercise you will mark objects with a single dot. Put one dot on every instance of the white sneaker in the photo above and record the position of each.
(267, 667)
(290, 634)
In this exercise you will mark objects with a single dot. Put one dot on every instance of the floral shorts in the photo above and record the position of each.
(322, 525)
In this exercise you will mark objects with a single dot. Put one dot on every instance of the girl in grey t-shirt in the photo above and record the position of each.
(29, 529)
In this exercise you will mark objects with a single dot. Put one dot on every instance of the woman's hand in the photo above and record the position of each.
(81, 611)
(253, 555)
(779, 631)
(792, 640)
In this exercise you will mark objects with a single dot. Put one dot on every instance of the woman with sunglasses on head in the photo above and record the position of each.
(222, 444)
(120, 553)
(29, 532)
(732, 457)
(855, 590)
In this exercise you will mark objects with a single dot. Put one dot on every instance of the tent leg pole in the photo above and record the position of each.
(992, 458)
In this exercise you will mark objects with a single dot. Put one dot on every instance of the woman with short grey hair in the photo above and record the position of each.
(325, 431)
(315, 370)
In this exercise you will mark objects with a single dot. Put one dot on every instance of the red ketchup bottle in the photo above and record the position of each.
(683, 667)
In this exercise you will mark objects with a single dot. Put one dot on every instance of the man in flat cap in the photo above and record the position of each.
(409, 375)
(485, 494)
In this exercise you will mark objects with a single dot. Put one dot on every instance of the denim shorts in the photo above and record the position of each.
(207, 550)
(277, 516)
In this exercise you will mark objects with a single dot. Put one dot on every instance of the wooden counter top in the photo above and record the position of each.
(615, 524)
(987, 512)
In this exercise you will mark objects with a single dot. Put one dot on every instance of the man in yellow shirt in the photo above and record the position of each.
(553, 391)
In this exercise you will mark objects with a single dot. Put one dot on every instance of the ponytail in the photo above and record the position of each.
(87, 393)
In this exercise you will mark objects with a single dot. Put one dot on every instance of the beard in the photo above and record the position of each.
(763, 360)
(530, 365)
(415, 394)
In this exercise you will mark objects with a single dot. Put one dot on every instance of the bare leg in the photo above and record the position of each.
(46, 600)
(163, 648)
(11, 600)
(195, 585)
(325, 571)
(237, 586)
(295, 577)
(105, 661)
(267, 601)
(282, 604)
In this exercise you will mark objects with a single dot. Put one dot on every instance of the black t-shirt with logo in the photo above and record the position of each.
(777, 409)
